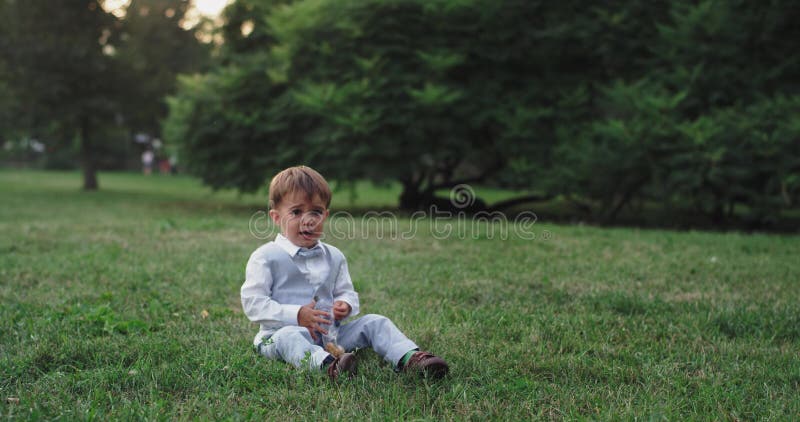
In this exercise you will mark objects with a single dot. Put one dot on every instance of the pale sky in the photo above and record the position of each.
(210, 8)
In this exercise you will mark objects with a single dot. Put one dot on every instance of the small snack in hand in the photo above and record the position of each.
(334, 349)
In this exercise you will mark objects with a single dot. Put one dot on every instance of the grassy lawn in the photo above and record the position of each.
(124, 303)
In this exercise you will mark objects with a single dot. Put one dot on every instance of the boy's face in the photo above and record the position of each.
(301, 219)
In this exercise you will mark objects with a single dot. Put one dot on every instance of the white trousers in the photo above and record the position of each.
(293, 344)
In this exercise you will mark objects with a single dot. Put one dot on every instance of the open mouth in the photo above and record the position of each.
(307, 233)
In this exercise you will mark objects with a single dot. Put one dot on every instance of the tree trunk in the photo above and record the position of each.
(87, 157)
(508, 203)
(411, 198)
(611, 215)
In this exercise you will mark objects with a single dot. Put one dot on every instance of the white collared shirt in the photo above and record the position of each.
(316, 268)
(257, 291)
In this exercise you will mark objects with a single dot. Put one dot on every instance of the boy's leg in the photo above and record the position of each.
(378, 332)
(293, 344)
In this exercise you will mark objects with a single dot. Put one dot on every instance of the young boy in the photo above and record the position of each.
(286, 277)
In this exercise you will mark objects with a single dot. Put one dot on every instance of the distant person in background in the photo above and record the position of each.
(173, 164)
(163, 166)
(147, 162)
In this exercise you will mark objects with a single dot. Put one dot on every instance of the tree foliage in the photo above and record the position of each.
(70, 70)
(59, 70)
(604, 104)
(153, 49)
(234, 123)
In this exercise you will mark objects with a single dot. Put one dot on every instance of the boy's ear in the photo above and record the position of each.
(275, 216)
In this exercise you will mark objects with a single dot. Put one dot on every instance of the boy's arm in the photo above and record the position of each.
(343, 289)
(256, 295)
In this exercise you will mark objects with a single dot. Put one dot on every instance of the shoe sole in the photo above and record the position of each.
(347, 363)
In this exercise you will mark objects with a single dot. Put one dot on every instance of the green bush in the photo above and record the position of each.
(677, 104)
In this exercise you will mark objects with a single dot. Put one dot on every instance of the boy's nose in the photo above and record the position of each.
(310, 220)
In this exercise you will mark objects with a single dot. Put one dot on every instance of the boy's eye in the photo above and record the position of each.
(295, 212)
(316, 213)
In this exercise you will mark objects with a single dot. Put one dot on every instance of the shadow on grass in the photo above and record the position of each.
(768, 324)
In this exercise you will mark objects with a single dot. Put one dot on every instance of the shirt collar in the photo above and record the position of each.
(290, 247)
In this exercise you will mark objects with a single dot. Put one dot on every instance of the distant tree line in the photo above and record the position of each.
(83, 82)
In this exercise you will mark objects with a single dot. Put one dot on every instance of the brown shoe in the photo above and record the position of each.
(344, 363)
(427, 364)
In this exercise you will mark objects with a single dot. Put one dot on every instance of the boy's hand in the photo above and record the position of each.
(311, 318)
(341, 310)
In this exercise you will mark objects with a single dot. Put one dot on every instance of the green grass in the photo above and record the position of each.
(103, 296)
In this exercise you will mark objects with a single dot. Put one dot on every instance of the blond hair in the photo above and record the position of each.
(299, 179)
